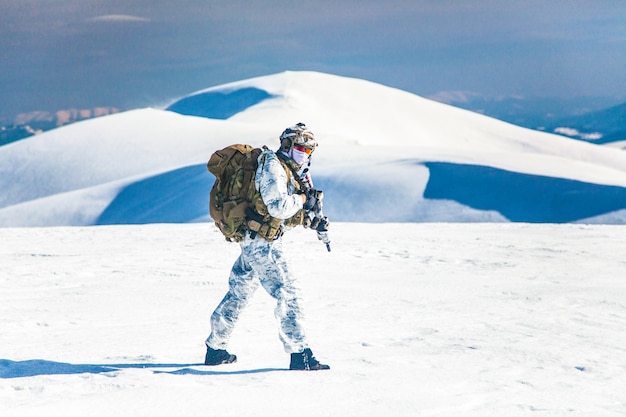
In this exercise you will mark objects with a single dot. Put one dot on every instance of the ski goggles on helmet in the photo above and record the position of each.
(300, 147)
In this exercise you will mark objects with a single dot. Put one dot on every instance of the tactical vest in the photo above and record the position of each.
(235, 204)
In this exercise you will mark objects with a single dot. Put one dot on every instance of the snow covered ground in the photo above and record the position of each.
(496, 319)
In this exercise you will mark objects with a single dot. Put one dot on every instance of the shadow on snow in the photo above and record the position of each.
(182, 196)
(178, 196)
(219, 105)
(37, 367)
(522, 197)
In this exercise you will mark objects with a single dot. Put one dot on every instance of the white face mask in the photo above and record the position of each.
(299, 157)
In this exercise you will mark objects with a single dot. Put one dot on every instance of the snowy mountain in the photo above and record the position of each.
(385, 155)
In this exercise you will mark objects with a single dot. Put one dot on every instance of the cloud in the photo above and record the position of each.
(118, 18)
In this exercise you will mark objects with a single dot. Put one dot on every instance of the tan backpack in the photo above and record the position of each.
(234, 203)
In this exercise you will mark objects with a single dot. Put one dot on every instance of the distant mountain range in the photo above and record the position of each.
(35, 122)
(593, 119)
(609, 123)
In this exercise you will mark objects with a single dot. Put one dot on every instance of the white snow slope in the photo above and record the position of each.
(384, 155)
(422, 319)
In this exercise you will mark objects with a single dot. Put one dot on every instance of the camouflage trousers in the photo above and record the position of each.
(263, 263)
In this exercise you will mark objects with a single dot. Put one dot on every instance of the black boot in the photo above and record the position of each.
(218, 357)
(305, 361)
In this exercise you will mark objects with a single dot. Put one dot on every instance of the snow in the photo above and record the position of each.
(417, 313)
(432, 319)
(571, 132)
(377, 145)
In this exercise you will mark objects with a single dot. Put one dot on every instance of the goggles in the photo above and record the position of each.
(302, 148)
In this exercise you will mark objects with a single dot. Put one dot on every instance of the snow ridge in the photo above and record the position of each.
(384, 155)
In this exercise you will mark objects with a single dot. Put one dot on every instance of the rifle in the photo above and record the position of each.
(315, 217)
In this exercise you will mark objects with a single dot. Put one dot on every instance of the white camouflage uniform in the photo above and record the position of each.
(264, 262)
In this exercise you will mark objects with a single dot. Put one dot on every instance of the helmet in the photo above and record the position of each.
(297, 134)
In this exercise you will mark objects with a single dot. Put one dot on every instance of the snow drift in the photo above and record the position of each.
(384, 155)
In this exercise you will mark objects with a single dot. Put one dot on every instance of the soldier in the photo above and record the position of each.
(279, 178)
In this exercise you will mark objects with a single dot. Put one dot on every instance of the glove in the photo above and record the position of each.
(320, 224)
(313, 200)
(322, 231)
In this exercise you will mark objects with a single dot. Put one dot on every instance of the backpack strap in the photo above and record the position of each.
(292, 172)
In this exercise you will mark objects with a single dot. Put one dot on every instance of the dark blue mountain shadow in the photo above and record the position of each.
(219, 105)
(181, 196)
(36, 367)
(522, 197)
(178, 196)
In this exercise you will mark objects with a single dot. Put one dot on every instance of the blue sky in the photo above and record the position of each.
(58, 54)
